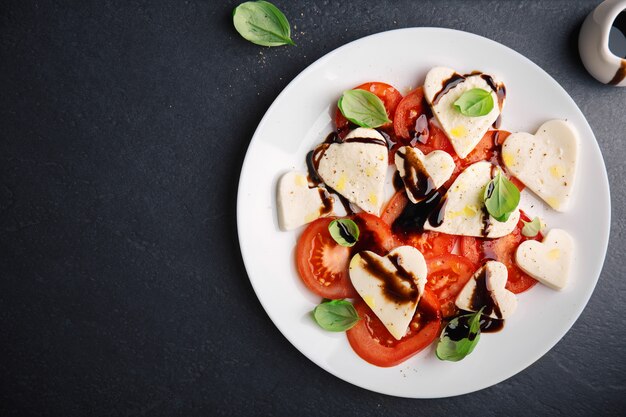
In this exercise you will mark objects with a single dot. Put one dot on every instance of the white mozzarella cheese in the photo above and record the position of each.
(550, 261)
(463, 131)
(490, 278)
(464, 212)
(357, 169)
(391, 285)
(298, 204)
(546, 161)
(438, 165)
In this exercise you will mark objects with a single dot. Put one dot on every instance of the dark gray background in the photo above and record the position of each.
(123, 126)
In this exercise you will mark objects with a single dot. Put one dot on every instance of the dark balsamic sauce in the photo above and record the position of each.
(414, 216)
(394, 283)
(312, 162)
(416, 179)
(462, 329)
(373, 141)
(327, 202)
(448, 85)
(398, 184)
(311, 168)
(490, 325)
(499, 89)
(620, 74)
(481, 297)
(345, 233)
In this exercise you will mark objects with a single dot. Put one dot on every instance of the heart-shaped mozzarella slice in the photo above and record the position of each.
(422, 173)
(390, 285)
(550, 261)
(487, 289)
(546, 161)
(298, 204)
(444, 86)
(356, 168)
(464, 210)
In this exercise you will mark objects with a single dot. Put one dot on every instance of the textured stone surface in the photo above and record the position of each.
(123, 126)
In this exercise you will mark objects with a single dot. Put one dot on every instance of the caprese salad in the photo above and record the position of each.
(442, 255)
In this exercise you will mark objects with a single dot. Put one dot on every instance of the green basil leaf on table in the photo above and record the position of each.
(344, 231)
(532, 227)
(363, 108)
(501, 197)
(453, 348)
(262, 23)
(335, 315)
(475, 103)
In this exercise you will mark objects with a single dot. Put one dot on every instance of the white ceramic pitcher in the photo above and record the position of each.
(593, 44)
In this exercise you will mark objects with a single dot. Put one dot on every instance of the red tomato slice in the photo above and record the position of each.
(394, 207)
(437, 140)
(447, 276)
(471, 249)
(431, 244)
(322, 263)
(503, 250)
(485, 149)
(407, 112)
(371, 340)
(374, 235)
(387, 93)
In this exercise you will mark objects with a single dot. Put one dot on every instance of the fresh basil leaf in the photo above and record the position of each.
(262, 23)
(344, 231)
(501, 197)
(336, 315)
(363, 108)
(475, 103)
(532, 227)
(456, 348)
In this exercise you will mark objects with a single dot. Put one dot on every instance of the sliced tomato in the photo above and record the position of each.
(485, 150)
(374, 234)
(394, 207)
(503, 250)
(387, 93)
(322, 263)
(431, 244)
(437, 140)
(371, 340)
(447, 275)
(471, 249)
(407, 112)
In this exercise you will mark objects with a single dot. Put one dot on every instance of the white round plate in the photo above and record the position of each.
(301, 117)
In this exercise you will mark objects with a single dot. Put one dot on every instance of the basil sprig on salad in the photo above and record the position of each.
(262, 23)
(335, 315)
(459, 338)
(501, 197)
(363, 108)
(344, 231)
(532, 227)
(475, 103)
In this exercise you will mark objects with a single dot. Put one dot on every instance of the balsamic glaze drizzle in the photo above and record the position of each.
(394, 283)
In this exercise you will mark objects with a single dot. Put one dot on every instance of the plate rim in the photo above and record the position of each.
(321, 61)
